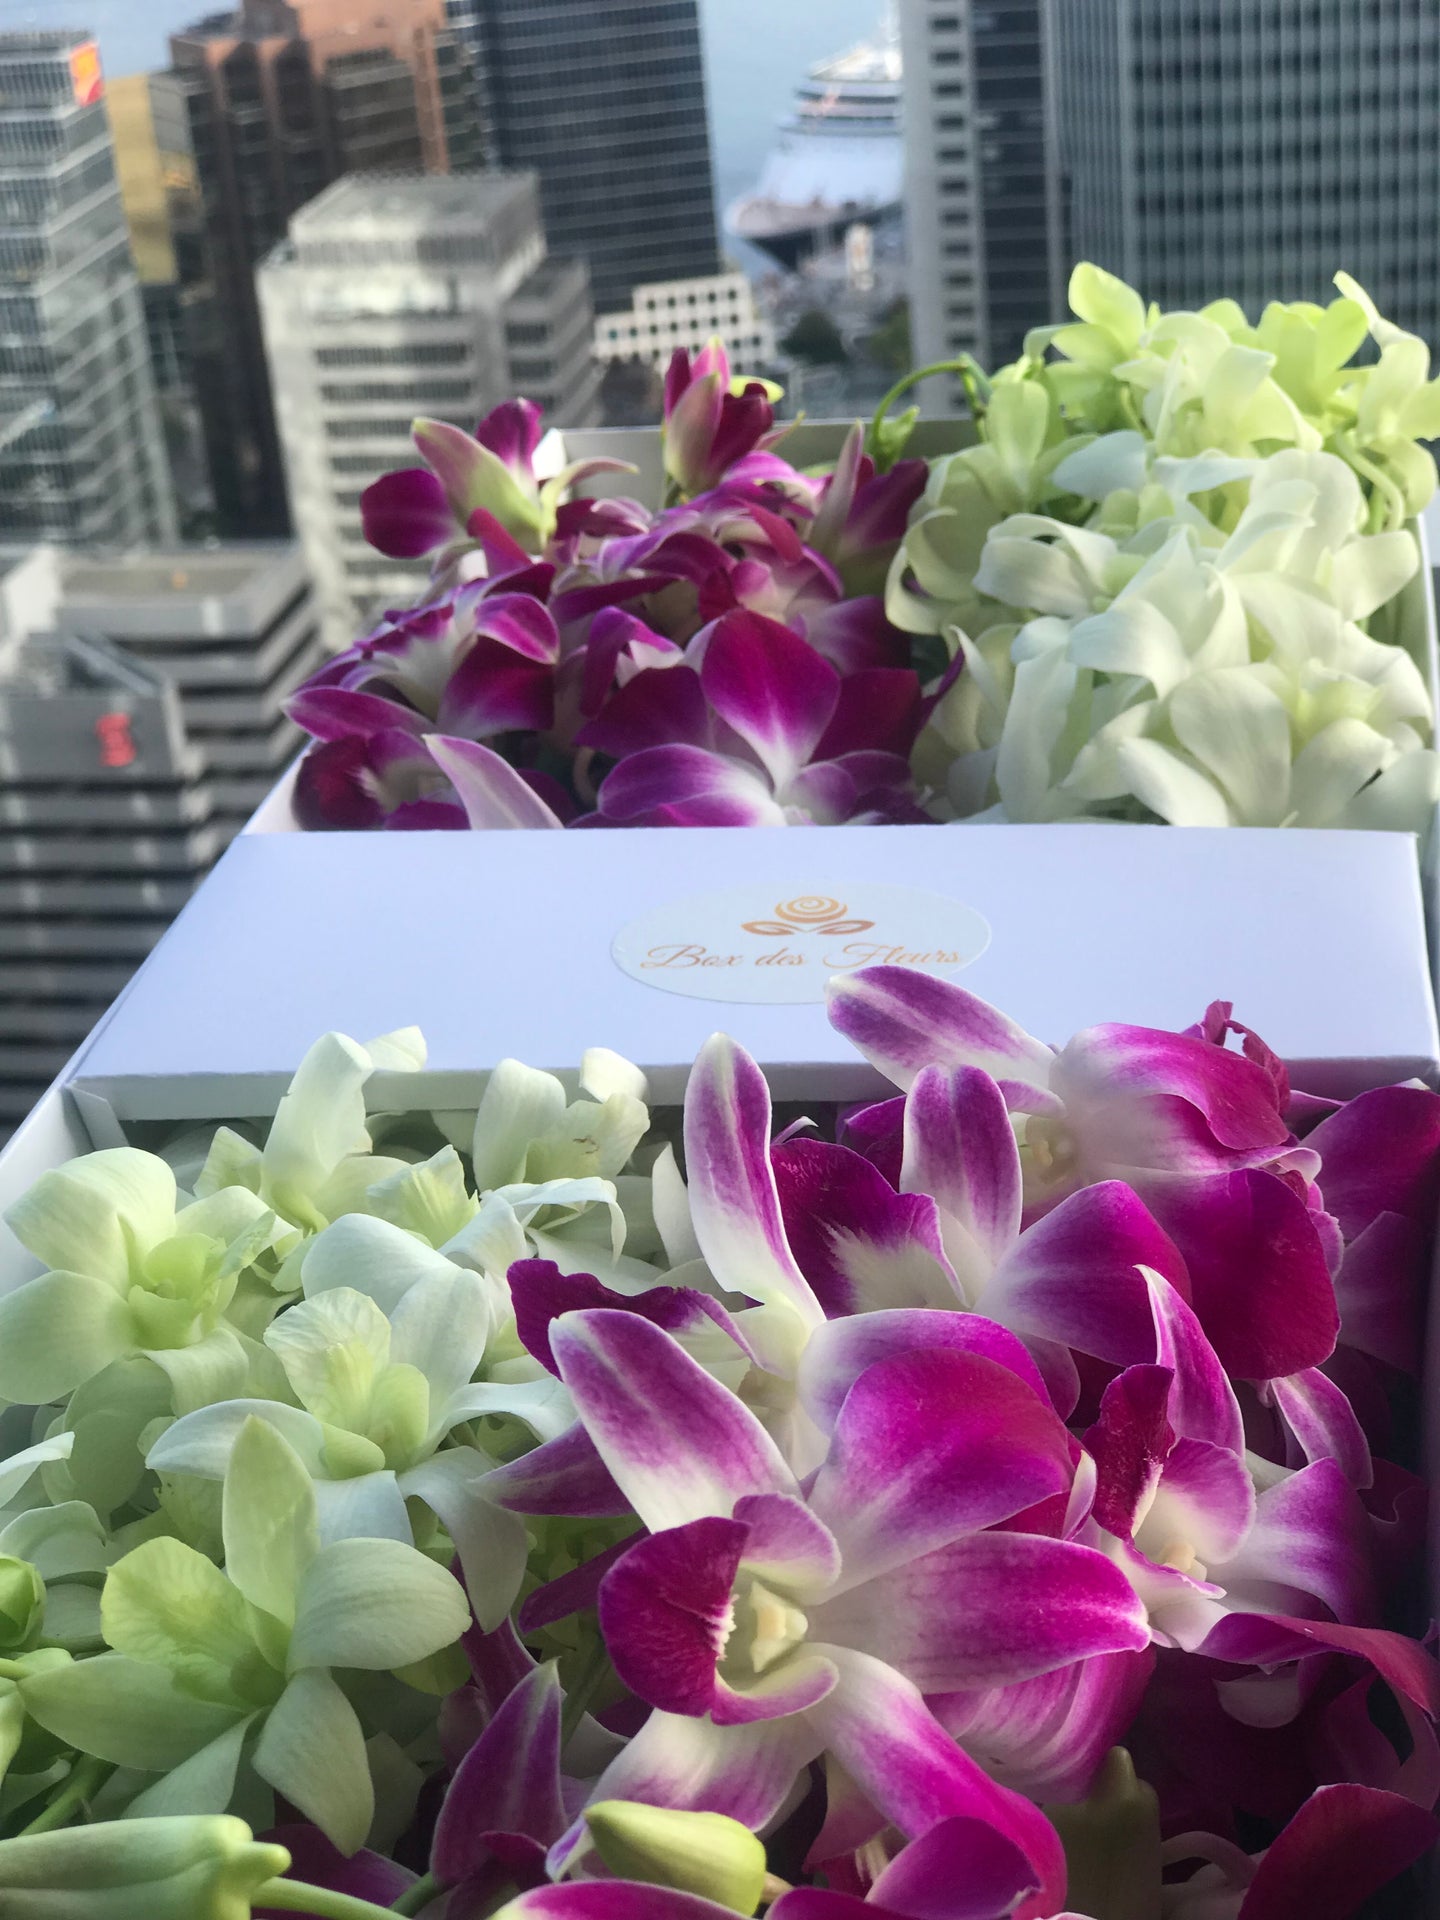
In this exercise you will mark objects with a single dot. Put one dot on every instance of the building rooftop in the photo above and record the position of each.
(164, 573)
(411, 203)
(47, 40)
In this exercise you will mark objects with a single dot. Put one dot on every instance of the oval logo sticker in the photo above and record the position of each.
(745, 945)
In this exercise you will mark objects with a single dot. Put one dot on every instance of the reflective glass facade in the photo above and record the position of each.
(607, 105)
(81, 459)
(1251, 147)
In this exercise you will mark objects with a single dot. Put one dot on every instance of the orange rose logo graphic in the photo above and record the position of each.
(810, 913)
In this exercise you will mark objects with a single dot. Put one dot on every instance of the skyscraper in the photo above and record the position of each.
(982, 191)
(1252, 147)
(607, 105)
(285, 96)
(394, 297)
(81, 457)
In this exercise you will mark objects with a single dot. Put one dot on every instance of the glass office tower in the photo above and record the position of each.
(607, 105)
(81, 454)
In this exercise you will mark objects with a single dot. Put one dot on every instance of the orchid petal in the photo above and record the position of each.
(491, 791)
(840, 1351)
(960, 1148)
(860, 1244)
(904, 1021)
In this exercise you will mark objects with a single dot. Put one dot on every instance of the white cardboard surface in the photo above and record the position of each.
(500, 943)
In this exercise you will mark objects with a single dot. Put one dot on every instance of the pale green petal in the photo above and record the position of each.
(603, 1073)
(205, 1783)
(319, 1121)
(233, 1161)
(366, 1506)
(270, 1523)
(202, 1442)
(215, 1368)
(1366, 573)
(1239, 732)
(57, 1332)
(1332, 768)
(544, 1405)
(332, 1347)
(672, 1210)
(1038, 716)
(431, 1199)
(1170, 786)
(169, 1606)
(1403, 799)
(72, 1617)
(403, 1051)
(518, 1105)
(1107, 302)
(237, 1218)
(15, 1471)
(490, 1541)
(57, 1541)
(125, 1711)
(374, 1604)
(441, 1327)
(312, 1751)
(590, 1139)
(373, 1257)
(12, 1727)
(108, 1416)
(571, 1197)
(1131, 637)
(1113, 461)
(97, 1214)
(493, 1241)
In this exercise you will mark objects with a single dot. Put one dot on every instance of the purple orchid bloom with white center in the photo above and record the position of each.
(778, 708)
(767, 1624)
(1196, 1130)
(862, 516)
(467, 481)
(712, 420)
(384, 779)
(1201, 1528)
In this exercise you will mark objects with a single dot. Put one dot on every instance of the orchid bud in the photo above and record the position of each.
(1112, 1844)
(201, 1867)
(700, 1853)
(22, 1604)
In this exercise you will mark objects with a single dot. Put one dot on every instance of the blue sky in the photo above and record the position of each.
(755, 51)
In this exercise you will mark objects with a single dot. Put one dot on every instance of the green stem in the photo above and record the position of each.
(970, 377)
(86, 1777)
(294, 1896)
(578, 1699)
(418, 1896)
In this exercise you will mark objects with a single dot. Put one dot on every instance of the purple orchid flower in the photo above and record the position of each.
(313, 1860)
(774, 726)
(767, 1625)
(712, 420)
(467, 482)
(862, 516)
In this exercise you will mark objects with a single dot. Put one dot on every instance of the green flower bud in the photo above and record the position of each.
(700, 1853)
(1112, 1844)
(204, 1867)
(22, 1604)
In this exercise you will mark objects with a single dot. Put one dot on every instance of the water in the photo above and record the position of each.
(755, 51)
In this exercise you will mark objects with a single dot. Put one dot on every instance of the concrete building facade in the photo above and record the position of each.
(394, 298)
(81, 457)
(983, 203)
(667, 314)
(1250, 148)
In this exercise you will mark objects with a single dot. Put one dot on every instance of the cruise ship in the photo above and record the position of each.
(838, 158)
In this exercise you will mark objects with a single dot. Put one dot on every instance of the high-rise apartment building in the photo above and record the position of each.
(394, 298)
(688, 313)
(982, 182)
(140, 724)
(607, 105)
(81, 457)
(1252, 147)
(285, 96)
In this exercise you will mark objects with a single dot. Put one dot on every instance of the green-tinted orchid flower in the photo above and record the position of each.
(213, 1670)
(134, 1273)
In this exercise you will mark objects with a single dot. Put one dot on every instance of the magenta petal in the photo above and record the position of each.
(1380, 1154)
(508, 1783)
(962, 1869)
(337, 713)
(520, 622)
(407, 514)
(879, 708)
(1258, 1278)
(904, 1022)
(541, 1293)
(860, 1244)
(661, 707)
(840, 1351)
(491, 791)
(1074, 1276)
(363, 1875)
(1047, 1737)
(686, 786)
(960, 1147)
(772, 688)
(1107, 1070)
(1379, 1290)
(879, 1729)
(1130, 1443)
(562, 1476)
(1344, 1844)
(929, 1446)
(1202, 1402)
(1311, 1538)
(665, 1612)
(680, 1445)
(1323, 1422)
(612, 1900)
(512, 431)
(734, 1201)
(577, 1591)
(1269, 1640)
(989, 1610)
(496, 690)
(788, 1545)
